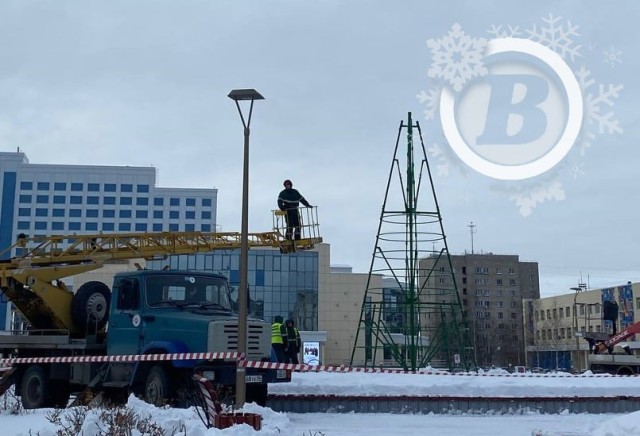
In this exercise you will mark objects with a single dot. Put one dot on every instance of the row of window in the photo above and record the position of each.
(487, 315)
(485, 281)
(485, 303)
(94, 199)
(488, 292)
(485, 270)
(79, 187)
(109, 226)
(111, 213)
(563, 333)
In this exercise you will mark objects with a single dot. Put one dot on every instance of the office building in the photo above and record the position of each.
(41, 199)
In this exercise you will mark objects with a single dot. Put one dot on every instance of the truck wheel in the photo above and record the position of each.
(157, 390)
(34, 388)
(257, 393)
(90, 305)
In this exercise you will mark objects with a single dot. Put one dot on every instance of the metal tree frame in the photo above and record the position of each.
(412, 317)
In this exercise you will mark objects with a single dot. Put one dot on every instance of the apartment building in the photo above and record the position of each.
(492, 288)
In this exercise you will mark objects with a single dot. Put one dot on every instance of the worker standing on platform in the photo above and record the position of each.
(277, 343)
(289, 201)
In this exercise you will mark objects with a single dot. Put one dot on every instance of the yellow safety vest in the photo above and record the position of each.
(276, 335)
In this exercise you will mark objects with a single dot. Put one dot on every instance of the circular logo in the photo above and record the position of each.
(136, 320)
(519, 121)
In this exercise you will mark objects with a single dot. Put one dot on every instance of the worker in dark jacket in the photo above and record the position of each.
(289, 200)
(277, 342)
(293, 342)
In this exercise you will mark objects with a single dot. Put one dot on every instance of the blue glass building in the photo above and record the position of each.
(279, 284)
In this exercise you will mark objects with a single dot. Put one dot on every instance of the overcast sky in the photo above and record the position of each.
(144, 83)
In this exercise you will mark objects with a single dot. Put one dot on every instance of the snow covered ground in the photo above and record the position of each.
(332, 424)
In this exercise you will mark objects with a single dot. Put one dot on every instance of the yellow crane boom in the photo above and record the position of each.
(31, 279)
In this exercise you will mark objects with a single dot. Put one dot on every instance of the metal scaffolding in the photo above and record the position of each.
(411, 314)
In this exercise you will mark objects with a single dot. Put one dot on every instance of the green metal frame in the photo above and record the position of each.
(415, 317)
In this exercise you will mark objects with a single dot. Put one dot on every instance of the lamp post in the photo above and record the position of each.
(577, 290)
(240, 95)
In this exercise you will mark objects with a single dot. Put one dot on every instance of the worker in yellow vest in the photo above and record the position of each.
(277, 342)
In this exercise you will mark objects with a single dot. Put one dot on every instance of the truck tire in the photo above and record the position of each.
(157, 388)
(34, 388)
(90, 306)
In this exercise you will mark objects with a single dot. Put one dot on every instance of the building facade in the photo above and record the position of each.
(41, 200)
(492, 289)
(555, 326)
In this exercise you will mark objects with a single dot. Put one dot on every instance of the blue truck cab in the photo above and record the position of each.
(164, 311)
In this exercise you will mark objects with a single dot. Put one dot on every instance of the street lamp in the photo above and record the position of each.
(577, 290)
(240, 95)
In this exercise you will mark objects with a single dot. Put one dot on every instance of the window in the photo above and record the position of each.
(157, 214)
(109, 200)
(24, 211)
(42, 212)
(92, 227)
(126, 201)
(92, 199)
(205, 228)
(42, 199)
(57, 212)
(568, 311)
(157, 227)
(74, 226)
(26, 186)
(57, 225)
(108, 213)
(548, 313)
(542, 315)
(107, 227)
(76, 187)
(206, 202)
(75, 199)
(174, 201)
(125, 213)
(158, 201)
(190, 215)
(23, 225)
(206, 215)
(514, 315)
(43, 186)
(173, 227)
(25, 198)
(189, 227)
(190, 201)
(142, 188)
(174, 215)
(141, 227)
(512, 270)
(498, 282)
(75, 213)
(124, 227)
(498, 271)
(512, 282)
(109, 187)
(59, 199)
(59, 186)
(93, 187)
(126, 187)
(92, 213)
(142, 214)
(561, 312)
(142, 201)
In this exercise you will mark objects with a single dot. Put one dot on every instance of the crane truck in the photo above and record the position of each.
(603, 359)
(148, 335)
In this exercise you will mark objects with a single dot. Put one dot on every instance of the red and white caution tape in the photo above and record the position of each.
(122, 358)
